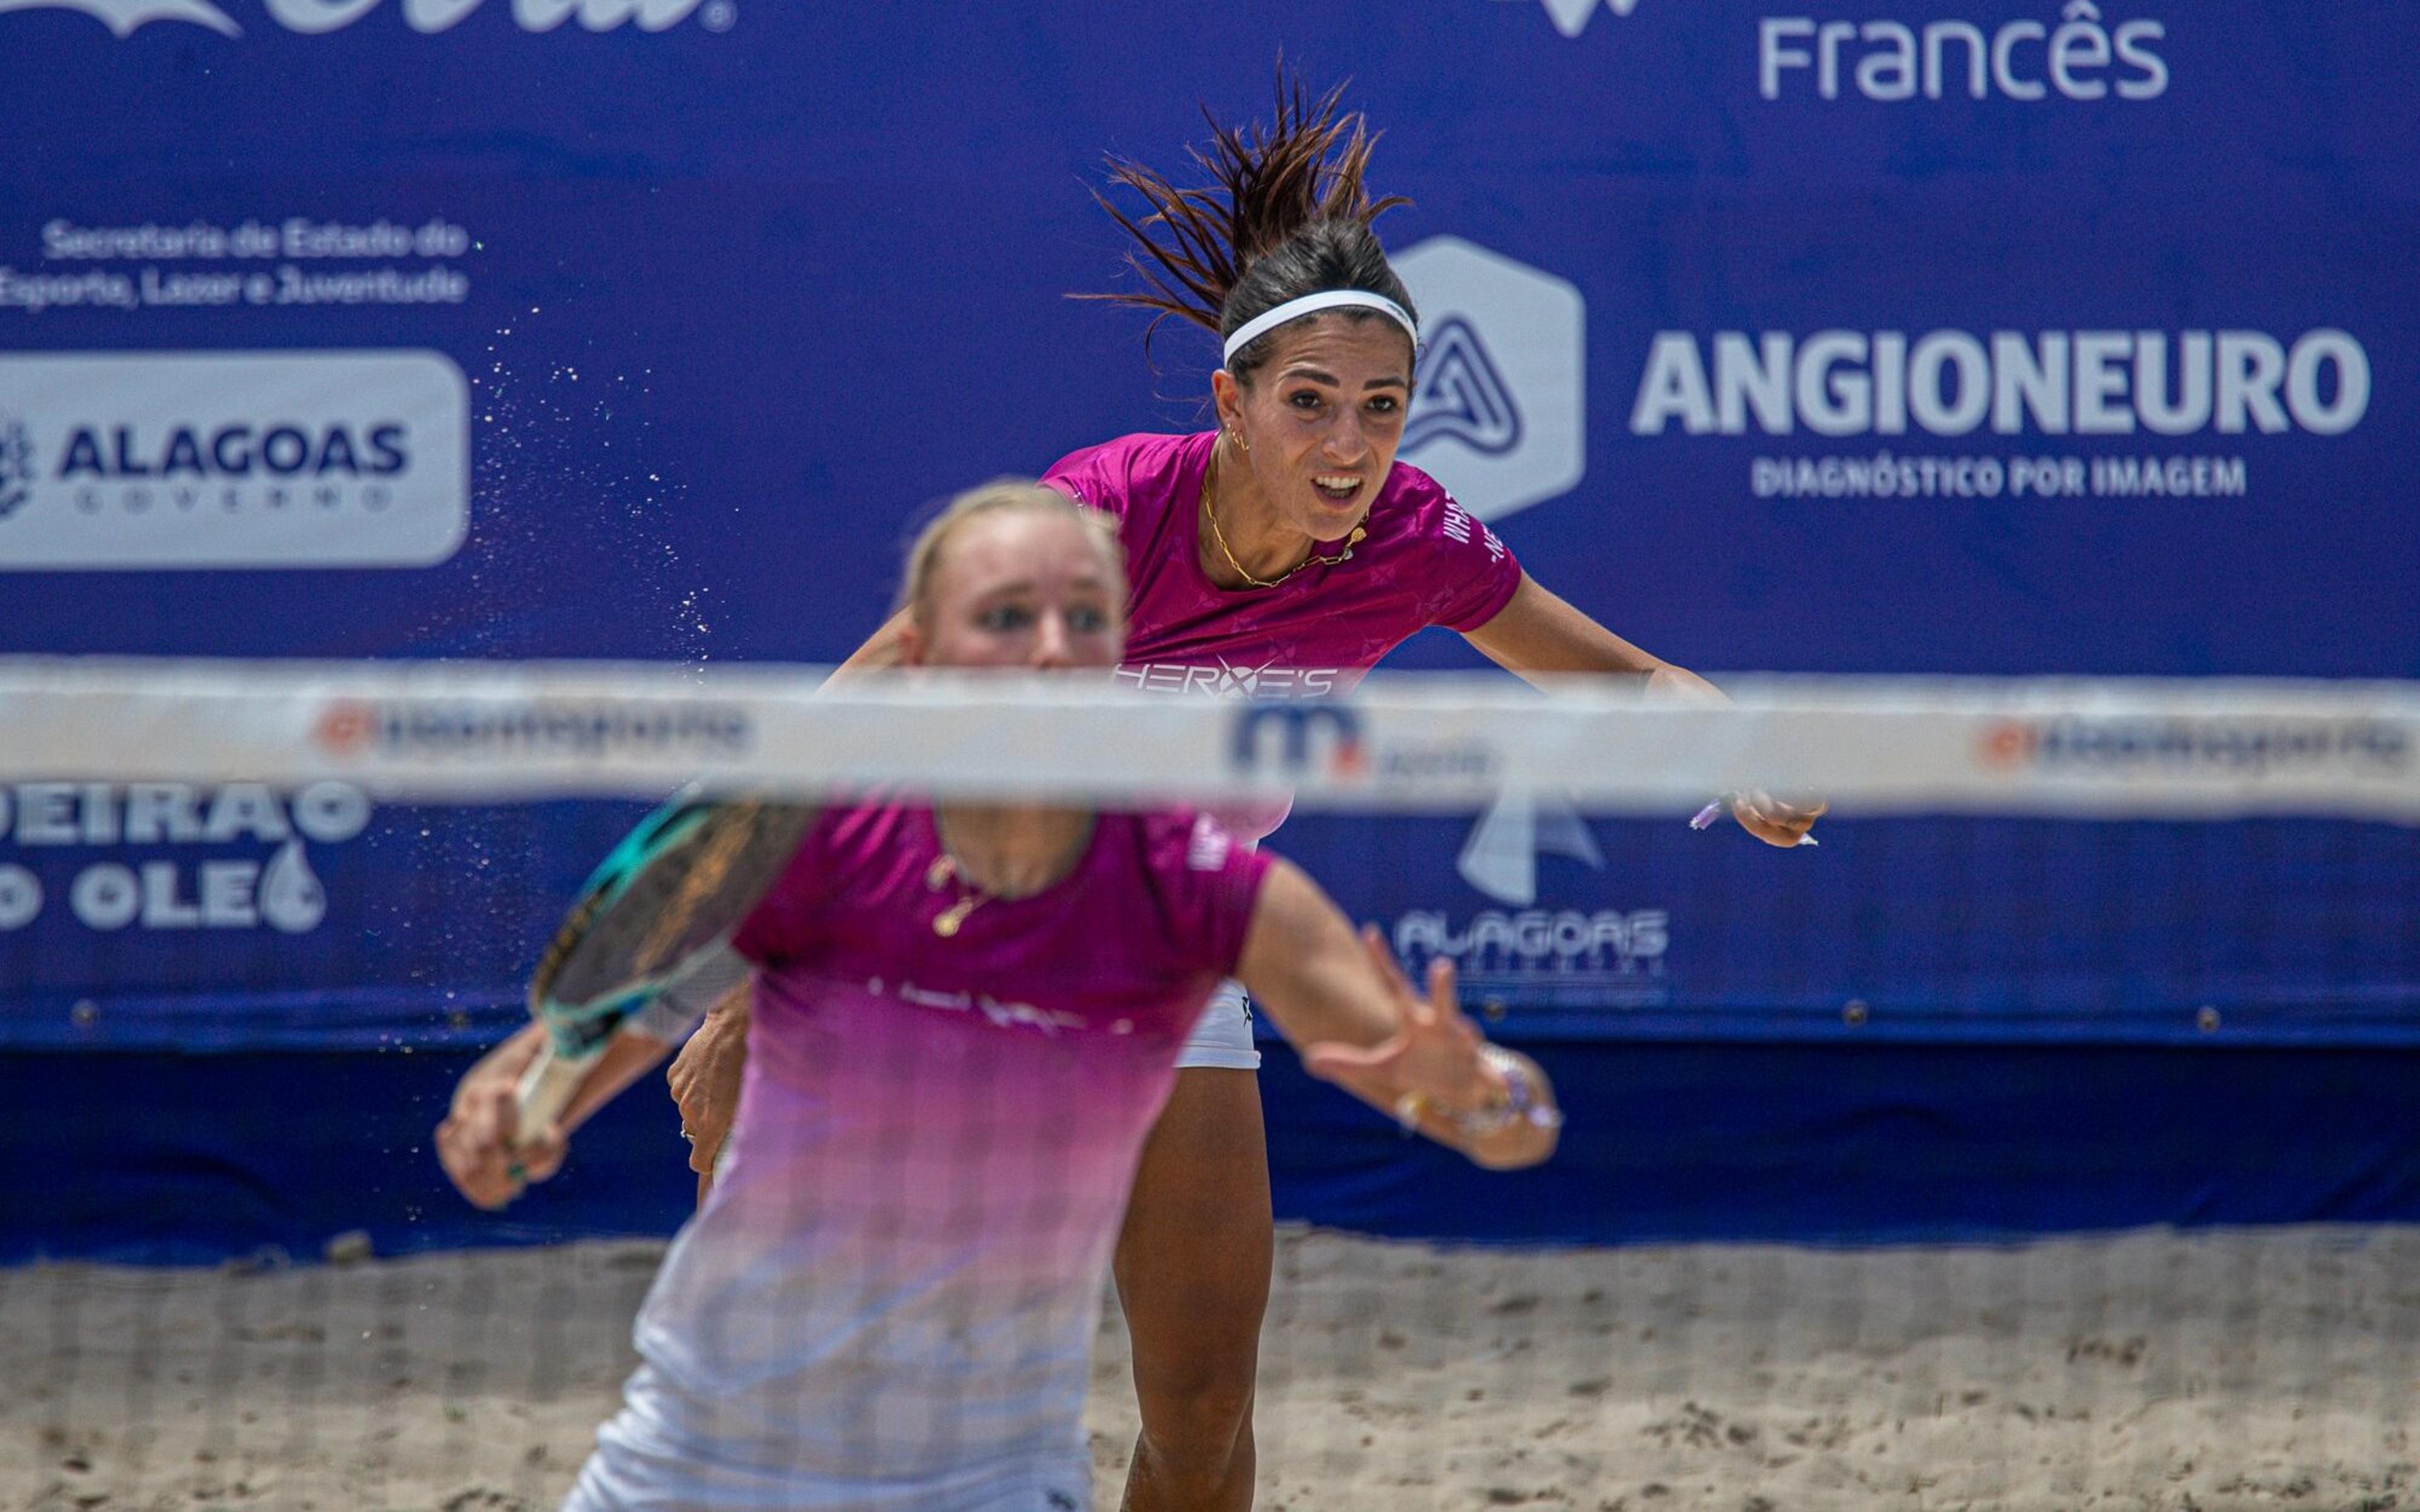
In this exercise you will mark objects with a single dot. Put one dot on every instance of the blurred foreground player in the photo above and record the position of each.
(965, 1018)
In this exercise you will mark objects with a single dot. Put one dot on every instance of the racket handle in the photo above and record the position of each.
(547, 1087)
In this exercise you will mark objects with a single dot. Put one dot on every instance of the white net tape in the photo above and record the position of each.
(469, 731)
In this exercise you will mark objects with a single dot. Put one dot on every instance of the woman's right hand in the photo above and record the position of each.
(704, 1078)
(485, 1153)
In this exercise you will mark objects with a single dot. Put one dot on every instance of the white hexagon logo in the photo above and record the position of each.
(1500, 416)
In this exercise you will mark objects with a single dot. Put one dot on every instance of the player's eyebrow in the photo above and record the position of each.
(1320, 376)
(1015, 586)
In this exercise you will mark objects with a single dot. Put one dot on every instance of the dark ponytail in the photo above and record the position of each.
(1284, 214)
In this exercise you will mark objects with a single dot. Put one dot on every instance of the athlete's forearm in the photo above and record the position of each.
(1302, 963)
(881, 650)
(1537, 634)
(626, 1056)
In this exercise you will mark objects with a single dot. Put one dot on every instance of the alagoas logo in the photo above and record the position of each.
(1500, 408)
(151, 460)
(311, 17)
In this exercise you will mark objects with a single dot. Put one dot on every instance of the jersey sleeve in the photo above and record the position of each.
(1209, 882)
(1099, 476)
(1471, 574)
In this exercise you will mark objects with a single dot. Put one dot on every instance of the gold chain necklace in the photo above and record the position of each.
(1219, 536)
(972, 895)
(951, 919)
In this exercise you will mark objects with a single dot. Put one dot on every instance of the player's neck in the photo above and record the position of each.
(1013, 851)
(1241, 539)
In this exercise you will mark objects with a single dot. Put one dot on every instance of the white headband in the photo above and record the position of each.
(1334, 298)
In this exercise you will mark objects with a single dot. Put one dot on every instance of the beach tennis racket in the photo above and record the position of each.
(653, 916)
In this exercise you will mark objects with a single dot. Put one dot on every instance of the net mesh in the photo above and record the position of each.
(2037, 1141)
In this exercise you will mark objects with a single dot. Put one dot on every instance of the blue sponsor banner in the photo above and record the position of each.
(1957, 336)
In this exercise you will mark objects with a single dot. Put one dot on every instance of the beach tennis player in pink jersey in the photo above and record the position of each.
(966, 1019)
(1284, 552)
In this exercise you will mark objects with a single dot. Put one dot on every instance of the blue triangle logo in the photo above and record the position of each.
(1461, 396)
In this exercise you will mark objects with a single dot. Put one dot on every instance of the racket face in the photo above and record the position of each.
(677, 885)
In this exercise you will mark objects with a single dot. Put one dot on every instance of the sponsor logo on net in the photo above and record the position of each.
(2180, 746)
(1951, 383)
(311, 17)
(578, 730)
(1299, 740)
(1606, 955)
(235, 886)
(1498, 417)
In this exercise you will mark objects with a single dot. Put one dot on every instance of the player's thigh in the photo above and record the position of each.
(1193, 1259)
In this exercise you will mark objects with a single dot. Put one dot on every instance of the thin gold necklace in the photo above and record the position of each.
(972, 895)
(951, 919)
(1219, 536)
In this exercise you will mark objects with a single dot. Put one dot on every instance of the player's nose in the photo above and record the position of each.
(1344, 441)
(1053, 646)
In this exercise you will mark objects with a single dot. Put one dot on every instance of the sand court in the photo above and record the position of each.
(2199, 1372)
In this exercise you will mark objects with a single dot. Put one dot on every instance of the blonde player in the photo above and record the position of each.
(966, 1019)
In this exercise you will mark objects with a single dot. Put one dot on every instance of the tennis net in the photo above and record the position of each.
(2036, 1139)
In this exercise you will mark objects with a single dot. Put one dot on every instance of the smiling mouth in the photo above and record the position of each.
(1335, 487)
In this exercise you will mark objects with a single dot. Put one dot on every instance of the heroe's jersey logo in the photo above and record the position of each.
(1461, 395)
(315, 16)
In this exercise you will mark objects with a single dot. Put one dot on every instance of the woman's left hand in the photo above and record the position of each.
(1782, 821)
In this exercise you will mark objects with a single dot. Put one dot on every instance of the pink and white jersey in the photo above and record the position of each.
(888, 1301)
(1425, 561)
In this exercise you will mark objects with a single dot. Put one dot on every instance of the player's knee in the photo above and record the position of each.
(1194, 1427)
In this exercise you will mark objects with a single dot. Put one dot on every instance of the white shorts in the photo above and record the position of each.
(1223, 1038)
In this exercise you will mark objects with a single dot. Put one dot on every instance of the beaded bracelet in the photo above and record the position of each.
(1522, 1102)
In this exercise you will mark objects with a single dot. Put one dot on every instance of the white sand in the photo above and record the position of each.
(2204, 1372)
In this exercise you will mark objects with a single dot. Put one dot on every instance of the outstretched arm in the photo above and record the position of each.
(881, 650)
(1537, 634)
(1358, 1024)
(486, 1153)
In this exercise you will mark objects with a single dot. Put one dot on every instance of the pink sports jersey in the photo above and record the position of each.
(888, 1299)
(1425, 561)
